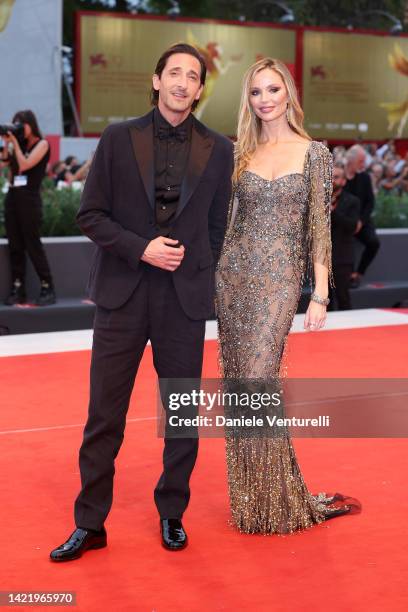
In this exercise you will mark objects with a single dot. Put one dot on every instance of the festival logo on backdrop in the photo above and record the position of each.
(318, 72)
(98, 60)
(6, 7)
(397, 112)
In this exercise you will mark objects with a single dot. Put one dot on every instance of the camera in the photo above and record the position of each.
(15, 128)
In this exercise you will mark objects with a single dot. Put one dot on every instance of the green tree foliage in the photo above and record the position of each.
(354, 13)
(71, 6)
(358, 13)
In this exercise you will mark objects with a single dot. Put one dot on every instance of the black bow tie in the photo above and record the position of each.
(176, 133)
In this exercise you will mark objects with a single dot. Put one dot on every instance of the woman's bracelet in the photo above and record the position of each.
(320, 300)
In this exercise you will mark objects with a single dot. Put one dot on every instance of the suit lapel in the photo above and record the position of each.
(141, 134)
(200, 151)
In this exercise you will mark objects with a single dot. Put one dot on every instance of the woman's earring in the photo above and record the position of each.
(287, 112)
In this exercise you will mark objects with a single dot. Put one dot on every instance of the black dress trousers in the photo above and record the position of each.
(368, 237)
(341, 291)
(120, 336)
(23, 218)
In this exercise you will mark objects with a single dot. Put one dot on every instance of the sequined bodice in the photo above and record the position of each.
(269, 227)
(283, 199)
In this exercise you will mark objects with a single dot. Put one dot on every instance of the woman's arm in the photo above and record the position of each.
(82, 172)
(316, 314)
(321, 275)
(35, 156)
(390, 184)
(319, 233)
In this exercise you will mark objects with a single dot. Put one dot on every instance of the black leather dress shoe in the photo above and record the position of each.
(17, 294)
(47, 295)
(172, 534)
(355, 282)
(78, 542)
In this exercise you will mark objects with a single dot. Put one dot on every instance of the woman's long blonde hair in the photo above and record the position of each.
(249, 125)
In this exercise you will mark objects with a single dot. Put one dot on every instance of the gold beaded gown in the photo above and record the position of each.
(278, 224)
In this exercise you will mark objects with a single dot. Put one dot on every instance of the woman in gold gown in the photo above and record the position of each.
(282, 187)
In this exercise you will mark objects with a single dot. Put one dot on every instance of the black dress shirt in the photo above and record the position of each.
(171, 150)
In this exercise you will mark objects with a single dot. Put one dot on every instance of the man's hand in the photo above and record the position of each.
(159, 254)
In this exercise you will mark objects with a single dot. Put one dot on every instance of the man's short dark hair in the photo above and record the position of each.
(178, 48)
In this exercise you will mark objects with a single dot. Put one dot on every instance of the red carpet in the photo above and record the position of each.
(356, 563)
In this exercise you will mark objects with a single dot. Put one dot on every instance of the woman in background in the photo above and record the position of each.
(23, 209)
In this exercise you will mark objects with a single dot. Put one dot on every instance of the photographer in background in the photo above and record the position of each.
(23, 206)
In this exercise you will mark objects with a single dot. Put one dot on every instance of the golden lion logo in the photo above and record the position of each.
(6, 6)
(397, 112)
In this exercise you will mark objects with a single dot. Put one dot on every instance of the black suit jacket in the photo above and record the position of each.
(117, 213)
(362, 188)
(343, 223)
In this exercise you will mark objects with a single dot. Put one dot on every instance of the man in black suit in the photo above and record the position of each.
(155, 203)
(359, 184)
(345, 213)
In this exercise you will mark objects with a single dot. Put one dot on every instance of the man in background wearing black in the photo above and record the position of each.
(345, 213)
(359, 184)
